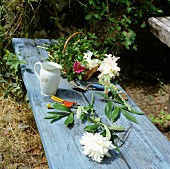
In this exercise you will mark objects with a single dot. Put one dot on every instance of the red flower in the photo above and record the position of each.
(78, 68)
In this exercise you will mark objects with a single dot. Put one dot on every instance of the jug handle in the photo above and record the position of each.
(35, 69)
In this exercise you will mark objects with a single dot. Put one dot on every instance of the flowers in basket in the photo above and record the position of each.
(81, 58)
(106, 66)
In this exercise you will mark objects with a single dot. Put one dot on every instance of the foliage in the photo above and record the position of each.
(75, 51)
(64, 111)
(117, 22)
(10, 75)
(115, 107)
(162, 120)
(12, 24)
(87, 113)
(17, 17)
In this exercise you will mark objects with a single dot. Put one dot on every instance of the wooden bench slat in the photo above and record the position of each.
(160, 29)
(164, 20)
(167, 17)
(145, 146)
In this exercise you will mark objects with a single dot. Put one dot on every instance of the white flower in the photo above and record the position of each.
(91, 62)
(96, 146)
(88, 55)
(109, 66)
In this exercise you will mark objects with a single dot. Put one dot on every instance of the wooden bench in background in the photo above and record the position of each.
(160, 27)
(145, 147)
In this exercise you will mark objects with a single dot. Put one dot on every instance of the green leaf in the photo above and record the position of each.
(59, 113)
(134, 111)
(91, 2)
(104, 95)
(118, 100)
(124, 33)
(103, 133)
(88, 17)
(115, 114)
(60, 107)
(88, 108)
(129, 10)
(118, 28)
(168, 117)
(108, 109)
(123, 107)
(129, 116)
(56, 116)
(117, 128)
(91, 128)
(98, 16)
(108, 134)
(160, 121)
(69, 120)
(98, 119)
(55, 119)
(92, 99)
(160, 11)
(50, 117)
(143, 24)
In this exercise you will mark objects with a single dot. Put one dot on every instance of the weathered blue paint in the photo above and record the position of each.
(145, 146)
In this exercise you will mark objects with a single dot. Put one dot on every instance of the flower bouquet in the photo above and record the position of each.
(81, 58)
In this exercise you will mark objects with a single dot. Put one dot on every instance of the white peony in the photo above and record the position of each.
(109, 66)
(91, 62)
(96, 146)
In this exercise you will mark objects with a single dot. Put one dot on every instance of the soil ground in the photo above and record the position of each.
(152, 100)
(20, 143)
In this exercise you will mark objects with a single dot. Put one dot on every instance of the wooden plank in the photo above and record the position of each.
(160, 30)
(164, 20)
(145, 146)
(60, 143)
(167, 17)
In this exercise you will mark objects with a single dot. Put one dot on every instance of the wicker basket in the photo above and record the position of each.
(88, 73)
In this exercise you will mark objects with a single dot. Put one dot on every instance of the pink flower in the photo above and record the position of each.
(78, 68)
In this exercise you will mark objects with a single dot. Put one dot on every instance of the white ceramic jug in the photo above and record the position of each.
(49, 77)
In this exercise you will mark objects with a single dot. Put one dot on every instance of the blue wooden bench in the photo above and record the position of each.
(145, 147)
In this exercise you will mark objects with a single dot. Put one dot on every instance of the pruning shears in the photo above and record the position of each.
(66, 103)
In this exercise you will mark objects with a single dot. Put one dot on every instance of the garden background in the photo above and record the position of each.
(121, 26)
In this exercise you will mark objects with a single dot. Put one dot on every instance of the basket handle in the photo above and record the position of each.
(65, 45)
